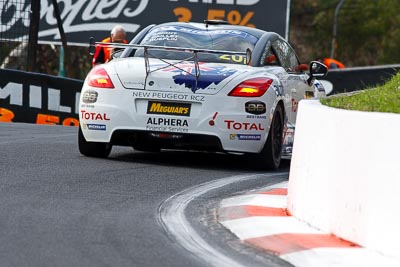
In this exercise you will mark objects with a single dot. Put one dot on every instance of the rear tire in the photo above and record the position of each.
(93, 149)
(270, 156)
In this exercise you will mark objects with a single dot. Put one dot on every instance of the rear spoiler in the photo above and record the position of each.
(146, 48)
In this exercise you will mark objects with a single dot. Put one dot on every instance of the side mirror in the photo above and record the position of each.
(317, 70)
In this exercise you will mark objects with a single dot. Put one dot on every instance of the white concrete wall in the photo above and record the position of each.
(345, 174)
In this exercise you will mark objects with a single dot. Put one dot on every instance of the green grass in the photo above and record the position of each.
(385, 98)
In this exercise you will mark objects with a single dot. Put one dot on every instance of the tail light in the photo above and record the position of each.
(252, 88)
(98, 77)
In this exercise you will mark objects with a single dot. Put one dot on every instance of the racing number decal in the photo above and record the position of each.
(255, 107)
(234, 58)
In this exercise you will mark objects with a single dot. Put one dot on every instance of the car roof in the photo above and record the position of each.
(215, 25)
(262, 36)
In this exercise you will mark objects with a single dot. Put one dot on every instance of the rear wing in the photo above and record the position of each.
(146, 48)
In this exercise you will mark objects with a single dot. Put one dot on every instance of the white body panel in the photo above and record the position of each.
(126, 109)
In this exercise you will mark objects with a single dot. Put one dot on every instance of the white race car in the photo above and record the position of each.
(198, 86)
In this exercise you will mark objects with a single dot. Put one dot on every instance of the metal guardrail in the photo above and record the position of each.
(359, 78)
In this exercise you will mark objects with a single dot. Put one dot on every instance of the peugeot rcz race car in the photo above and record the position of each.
(198, 86)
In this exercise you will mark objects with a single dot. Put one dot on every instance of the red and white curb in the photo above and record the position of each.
(261, 219)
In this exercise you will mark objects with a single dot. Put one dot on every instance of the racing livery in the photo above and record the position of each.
(204, 86)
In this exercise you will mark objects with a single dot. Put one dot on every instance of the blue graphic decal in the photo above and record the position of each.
(208, 75)
(204, 81)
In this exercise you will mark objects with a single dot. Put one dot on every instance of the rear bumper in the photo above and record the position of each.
(166, 140)
(216, 123)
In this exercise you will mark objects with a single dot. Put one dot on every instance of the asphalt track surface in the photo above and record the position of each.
(59, 208)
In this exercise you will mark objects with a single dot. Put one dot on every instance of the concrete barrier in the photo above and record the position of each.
(345, 175)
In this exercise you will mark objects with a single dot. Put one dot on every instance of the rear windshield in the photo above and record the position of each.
(177, 36)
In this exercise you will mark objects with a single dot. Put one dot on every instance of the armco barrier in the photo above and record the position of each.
(345, 175)
(38, 98)
(354, 79)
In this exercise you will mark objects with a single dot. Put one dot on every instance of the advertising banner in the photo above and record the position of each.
(38, 98)
(95, 18)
